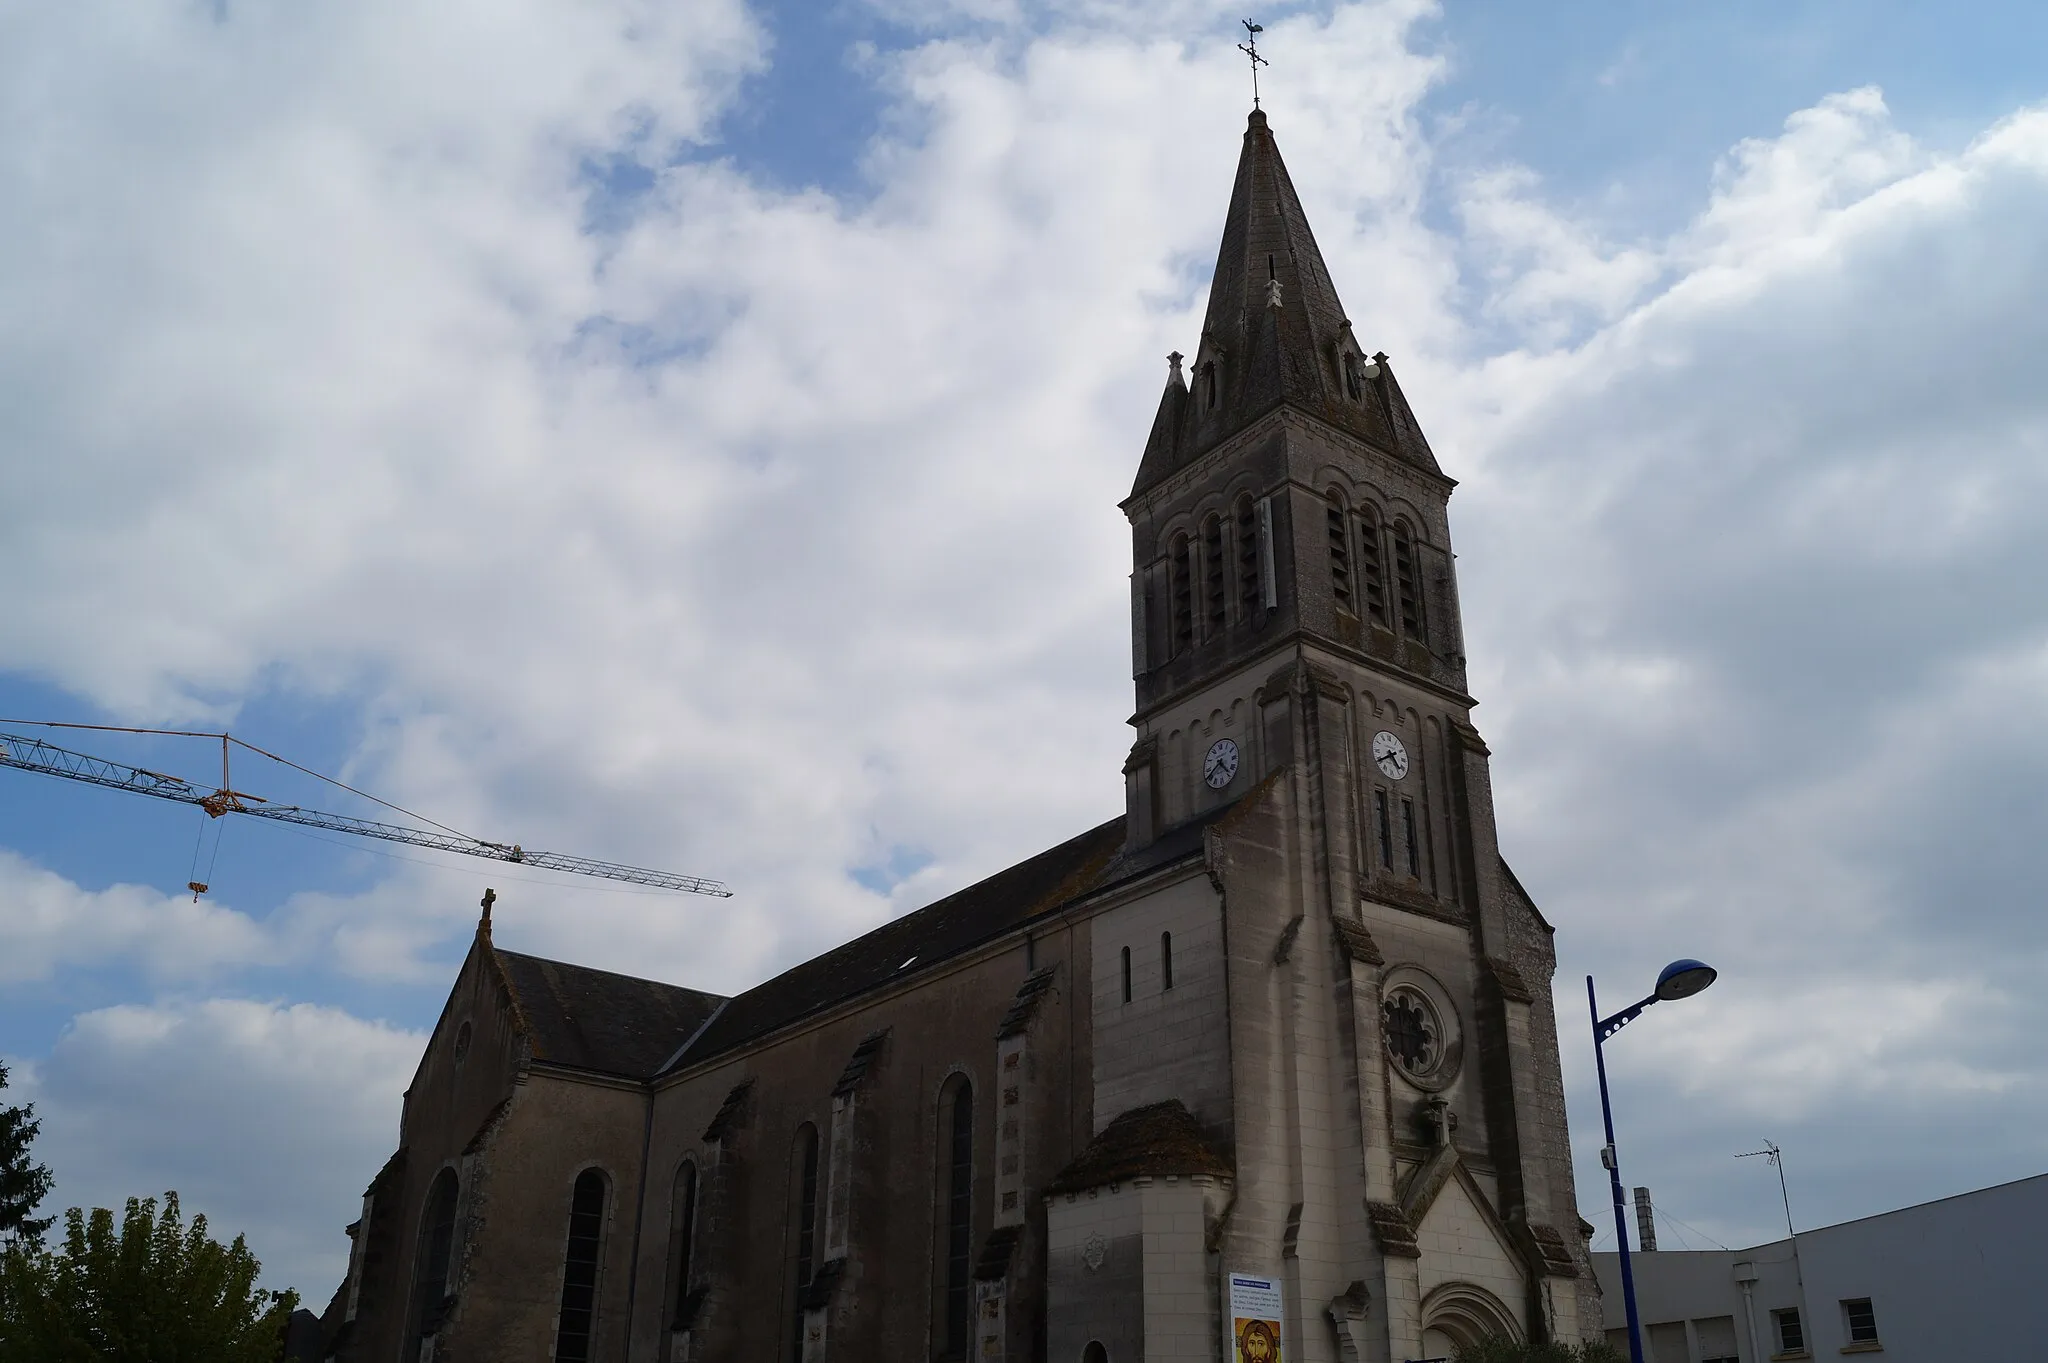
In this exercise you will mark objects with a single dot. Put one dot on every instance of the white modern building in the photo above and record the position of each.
(1953, 1281)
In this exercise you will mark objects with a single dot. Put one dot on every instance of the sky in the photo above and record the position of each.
(690, 435)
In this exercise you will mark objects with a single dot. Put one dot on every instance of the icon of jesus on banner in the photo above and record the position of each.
(1258, 1341)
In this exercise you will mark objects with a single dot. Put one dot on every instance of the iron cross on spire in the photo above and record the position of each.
(1250, 47)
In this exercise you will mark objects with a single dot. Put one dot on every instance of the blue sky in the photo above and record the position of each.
(690, 436)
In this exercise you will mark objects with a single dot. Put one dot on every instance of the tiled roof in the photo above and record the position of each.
(595, 1020)
(858, 1064)
(1025, 1003)
(1158, 1139)
(954, 924)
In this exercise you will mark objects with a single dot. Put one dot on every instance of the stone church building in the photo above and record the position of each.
(1265, 1067)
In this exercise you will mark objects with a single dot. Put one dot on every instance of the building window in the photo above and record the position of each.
(430, 1260)
(1166, 960)
(1791, 1337)
(1248, 584)
(1339, 523)
(1386, 828)
(1208, 380)
(1215, 598)
(803, 1241)
(1861, 1320)
(1414, 1032)
(1181, 590)
(1408, 585)
(1094, 1353)
(579, 1268)
(1408, 836)
(1372, 569)
(683, 1235)
(1127, 974)
(958, 1192)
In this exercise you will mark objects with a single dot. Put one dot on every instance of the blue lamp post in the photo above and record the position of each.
(1679, 980)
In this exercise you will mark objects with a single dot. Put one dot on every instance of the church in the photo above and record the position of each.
(1264, 1069)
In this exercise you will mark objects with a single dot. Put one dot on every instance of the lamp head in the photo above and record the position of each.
(1683, 979)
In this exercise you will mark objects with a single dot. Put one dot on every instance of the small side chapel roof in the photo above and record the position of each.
(1158, 1139)
(596, 1020)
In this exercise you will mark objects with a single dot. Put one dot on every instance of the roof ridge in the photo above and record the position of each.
(614, 974)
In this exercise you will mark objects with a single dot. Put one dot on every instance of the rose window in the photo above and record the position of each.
(1414, 1036)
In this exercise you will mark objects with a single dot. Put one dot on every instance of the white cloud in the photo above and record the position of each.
(49, 924)
(268, 1118)
(770, 535)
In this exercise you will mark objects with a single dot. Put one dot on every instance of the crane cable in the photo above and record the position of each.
(226, 739)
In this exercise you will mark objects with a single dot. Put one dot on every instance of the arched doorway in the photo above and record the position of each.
(1462, 1316)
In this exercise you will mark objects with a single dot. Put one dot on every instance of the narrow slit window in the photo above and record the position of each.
(1209, 384)
(1165, 960)
(683, 1218)
(579, 1269)
(1408, 836)
(1127, 974)
(1248, 584)
(1408, 582)
(1182, 587)
(806, 1238)
(1215, 599)
(1340, 553)
(960, 1222)
(436, 1245)
(1386, 828)
(1372, 570)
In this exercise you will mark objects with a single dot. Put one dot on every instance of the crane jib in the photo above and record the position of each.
(37, 755)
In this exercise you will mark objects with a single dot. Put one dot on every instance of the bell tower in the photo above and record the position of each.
(1395, 1103)
(1286, 500)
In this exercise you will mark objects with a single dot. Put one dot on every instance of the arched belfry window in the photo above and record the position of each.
(1408, 585)
(1180, 567)
(1339, 521)
(682, 1224)
(1248, 585)
(1214, 598)
(803, 1230)
(956, 1232)
(1372, 568)
(1094, 1353)
(430, 1259)
(579, 1268)
(1210, 396)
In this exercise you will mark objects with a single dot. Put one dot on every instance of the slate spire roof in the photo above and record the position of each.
(1263, 345)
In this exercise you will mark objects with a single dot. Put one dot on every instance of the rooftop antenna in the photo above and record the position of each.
(1250, 48)
(1776, 1157)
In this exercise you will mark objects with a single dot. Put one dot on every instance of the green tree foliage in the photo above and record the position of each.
(1498, 1350)
(23, 1182)
(155, 1291)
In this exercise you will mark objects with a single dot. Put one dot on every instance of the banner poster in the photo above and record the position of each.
(1254, 1317)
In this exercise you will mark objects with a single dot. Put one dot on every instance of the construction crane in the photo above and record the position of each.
(37, 755)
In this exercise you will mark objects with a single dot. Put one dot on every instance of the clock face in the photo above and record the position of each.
(1389, 755)
(1221, 764)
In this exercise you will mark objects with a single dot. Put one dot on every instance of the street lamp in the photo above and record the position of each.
(1679, 980)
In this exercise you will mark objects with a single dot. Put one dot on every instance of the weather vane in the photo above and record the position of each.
(1250, 48)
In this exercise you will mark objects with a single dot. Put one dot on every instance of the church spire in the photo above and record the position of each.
(1275, 332)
